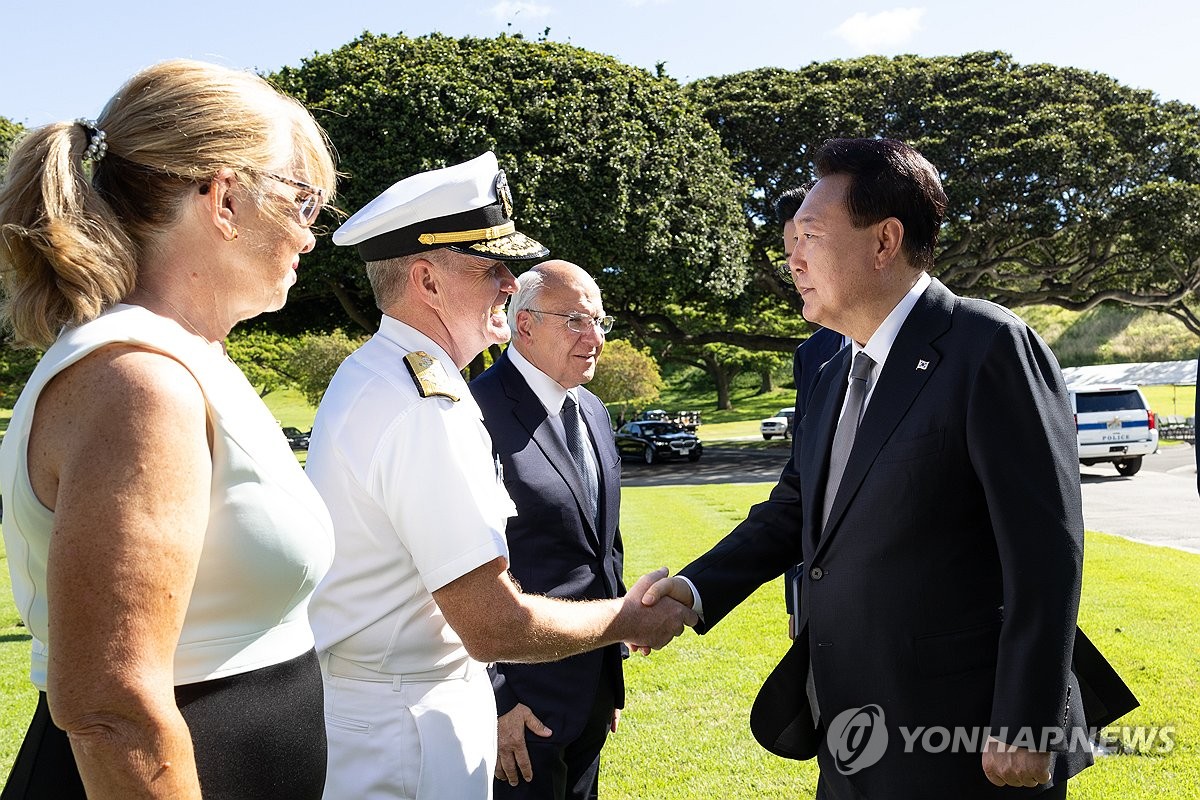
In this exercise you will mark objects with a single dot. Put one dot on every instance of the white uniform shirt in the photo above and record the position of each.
(416, 501)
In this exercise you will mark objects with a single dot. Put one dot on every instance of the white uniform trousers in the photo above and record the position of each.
(403, 739)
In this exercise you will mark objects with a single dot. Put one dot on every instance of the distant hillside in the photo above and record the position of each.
(1110, 334)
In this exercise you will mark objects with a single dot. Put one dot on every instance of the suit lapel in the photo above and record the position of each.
(532, 415)
(910, 363)
(818, 426)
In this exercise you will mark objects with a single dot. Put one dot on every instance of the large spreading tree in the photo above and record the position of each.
(1065, 187)
(611, 167)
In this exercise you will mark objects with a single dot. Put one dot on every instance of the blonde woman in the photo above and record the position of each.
(162, 540)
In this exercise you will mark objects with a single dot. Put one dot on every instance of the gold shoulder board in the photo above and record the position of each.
(429, 376)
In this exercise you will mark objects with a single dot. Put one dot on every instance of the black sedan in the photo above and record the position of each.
(652, 441)
(296, 438)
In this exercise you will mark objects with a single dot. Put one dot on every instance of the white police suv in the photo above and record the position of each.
(1113, 423)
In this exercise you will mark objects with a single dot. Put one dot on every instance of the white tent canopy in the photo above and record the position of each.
(1151, 373)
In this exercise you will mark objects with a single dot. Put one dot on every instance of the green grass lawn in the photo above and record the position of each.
(685, 734)
(1171, 401)
(291, 409)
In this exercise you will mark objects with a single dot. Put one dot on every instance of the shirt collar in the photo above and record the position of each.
(548, 390)
(408, 338)
(881, 341)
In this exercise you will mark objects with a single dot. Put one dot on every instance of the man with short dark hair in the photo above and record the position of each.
(934, 500)
(555, 444)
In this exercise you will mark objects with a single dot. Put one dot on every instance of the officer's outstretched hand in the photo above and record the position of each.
(655, 619)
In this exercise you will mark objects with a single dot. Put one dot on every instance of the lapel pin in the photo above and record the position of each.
(922, 364)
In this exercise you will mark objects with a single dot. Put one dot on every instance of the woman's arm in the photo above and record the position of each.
(120, 450)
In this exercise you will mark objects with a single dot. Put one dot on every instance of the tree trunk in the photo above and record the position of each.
(343, 297)
(475, 368)
(723, 379)
(768, 381)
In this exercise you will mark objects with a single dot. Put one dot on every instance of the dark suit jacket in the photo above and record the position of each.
(810, 356)
(554, 548)
(945, 587)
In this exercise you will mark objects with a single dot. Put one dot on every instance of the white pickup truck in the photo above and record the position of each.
(778, 425)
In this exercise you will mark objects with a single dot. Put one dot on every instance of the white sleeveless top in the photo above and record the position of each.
(269, 538)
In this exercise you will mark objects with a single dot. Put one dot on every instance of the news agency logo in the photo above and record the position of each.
(857, 738)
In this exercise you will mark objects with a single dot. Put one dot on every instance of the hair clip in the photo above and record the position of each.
(97, 146)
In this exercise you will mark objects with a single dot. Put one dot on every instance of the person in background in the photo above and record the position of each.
(162, 539)
(555, 443)
(419, 597)
(812, 353)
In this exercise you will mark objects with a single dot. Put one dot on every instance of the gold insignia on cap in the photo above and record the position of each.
(449, 237)
(504, 194)
(429, 376)
(516, 245)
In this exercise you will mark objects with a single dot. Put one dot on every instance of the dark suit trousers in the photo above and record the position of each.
(841, 789)
(566, 771)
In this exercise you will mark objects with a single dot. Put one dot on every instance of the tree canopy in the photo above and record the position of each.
(611, 167)
(626, 376)
(1065, 187)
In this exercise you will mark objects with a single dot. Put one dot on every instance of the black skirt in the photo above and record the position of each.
(256, 736)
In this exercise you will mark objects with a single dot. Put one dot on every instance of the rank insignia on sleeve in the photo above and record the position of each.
(429, 376)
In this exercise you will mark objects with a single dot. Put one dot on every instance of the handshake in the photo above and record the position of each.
(654, 611)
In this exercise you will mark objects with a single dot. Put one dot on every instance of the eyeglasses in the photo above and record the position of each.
(576, 321)
(783, 271)
(308, 205)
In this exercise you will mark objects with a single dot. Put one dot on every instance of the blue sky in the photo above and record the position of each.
(62, 60)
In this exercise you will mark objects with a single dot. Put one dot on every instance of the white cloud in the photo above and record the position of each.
(870, 33)
(510, 11)
(640, 3)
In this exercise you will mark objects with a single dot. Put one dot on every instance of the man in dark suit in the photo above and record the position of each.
(564, 541)
(934, 499)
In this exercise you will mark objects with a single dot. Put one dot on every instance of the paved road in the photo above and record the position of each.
(1159, 505)
(718, 465)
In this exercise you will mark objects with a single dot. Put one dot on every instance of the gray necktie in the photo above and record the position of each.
(843, 439)
(839, 454)
(580, 449)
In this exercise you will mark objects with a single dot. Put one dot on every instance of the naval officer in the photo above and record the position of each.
(419, 598)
